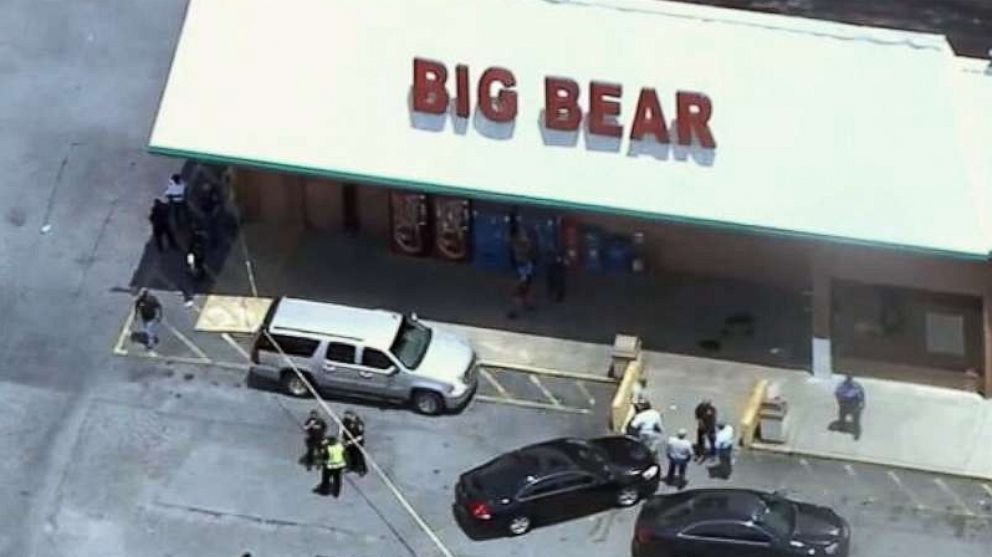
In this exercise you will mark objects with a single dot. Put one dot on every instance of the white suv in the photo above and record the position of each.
(364, 352)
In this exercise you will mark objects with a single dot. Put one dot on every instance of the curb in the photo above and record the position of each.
(786, 450)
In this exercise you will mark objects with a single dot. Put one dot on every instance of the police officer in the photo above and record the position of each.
(332, 454)
(314, 428)
(353, 439)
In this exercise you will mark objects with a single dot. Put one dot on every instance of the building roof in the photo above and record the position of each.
(823, 129)
(376, 328)
(967, 24)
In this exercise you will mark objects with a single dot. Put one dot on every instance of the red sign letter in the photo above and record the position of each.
(648, 117)
(694, 122)
(561, 106)
(429, 94)
(600, 107)
(461, 91)
(502, 107)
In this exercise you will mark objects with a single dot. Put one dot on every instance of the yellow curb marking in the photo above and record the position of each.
(547, 393)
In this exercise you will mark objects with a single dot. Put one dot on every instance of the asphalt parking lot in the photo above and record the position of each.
(213, 422)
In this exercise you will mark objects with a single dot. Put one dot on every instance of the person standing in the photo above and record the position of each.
(850, 403)
(705, 430)
(159, 217)
(314, 430)
(647, 425)
(354, 441)
(679, 454)
(196, 256)
(724, 449)
(149, 312)
(556, 277)
(523, 263)
(332, 464)
(175, 194)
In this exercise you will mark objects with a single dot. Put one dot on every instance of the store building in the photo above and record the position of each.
(849, 162)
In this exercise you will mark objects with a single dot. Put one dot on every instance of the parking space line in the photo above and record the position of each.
(850, 471)
(912, 496)
(234, 344)
(953, 495)
(585, 392)
(987, 489)
(124, 334)
(189, 343)
(492, 381)
(546, 371)
(529, 404)
(547, 393)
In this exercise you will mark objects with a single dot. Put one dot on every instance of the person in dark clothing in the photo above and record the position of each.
(149, 312)
(355, 438)
(196, 256)
(850, 403)
(314, 429)
(705, 430)
(211, 203)
(523, 262)
(556, 277)
(161, 227)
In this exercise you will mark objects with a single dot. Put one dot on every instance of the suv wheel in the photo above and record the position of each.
(427, 402)
(518, 525)
(628, 496)
(293, 385)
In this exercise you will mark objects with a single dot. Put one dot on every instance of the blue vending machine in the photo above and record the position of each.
(619, 255)
(543, 227)
(491, 236)
(592, 249)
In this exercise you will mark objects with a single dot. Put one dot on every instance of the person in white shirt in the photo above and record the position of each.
(175, 194)
(679, 454)
(647, 425)
(724, 449)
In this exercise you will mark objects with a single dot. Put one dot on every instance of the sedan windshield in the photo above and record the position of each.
(778, 516)
(411, 343)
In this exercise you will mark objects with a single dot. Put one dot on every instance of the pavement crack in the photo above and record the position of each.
(274, 522)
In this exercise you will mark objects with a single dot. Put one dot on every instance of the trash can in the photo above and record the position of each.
(626, 348)
(771, 420)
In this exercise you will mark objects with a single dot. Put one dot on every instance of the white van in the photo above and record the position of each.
(364, 352)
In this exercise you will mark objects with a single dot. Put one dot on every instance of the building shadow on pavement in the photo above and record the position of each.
(672, 312)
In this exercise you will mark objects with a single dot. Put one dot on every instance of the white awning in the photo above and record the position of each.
(821, 129)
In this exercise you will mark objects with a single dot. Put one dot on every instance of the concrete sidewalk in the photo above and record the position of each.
(904, 425)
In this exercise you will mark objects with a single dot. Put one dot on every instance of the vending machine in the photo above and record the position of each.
(452, 227)
(410, 230)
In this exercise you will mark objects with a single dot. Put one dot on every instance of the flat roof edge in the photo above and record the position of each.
(446, 189)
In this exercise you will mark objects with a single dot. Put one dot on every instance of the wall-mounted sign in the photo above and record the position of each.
(496, 98)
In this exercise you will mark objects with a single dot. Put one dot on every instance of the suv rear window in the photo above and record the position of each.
(292, 346)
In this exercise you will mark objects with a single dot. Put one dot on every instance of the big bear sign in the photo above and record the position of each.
(562, 108)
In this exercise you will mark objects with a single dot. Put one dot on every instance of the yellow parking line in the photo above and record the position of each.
(547, 393)
(492, 381)
(529, 404)
(189, 344)
(585, 392)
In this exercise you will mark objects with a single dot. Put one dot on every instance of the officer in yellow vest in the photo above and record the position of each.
(332, 453)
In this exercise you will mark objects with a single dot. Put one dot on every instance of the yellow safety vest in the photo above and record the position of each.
(335, 456)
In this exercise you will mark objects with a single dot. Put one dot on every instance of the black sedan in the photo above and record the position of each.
(743, 523)
(554, 480)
